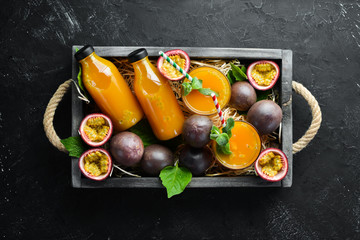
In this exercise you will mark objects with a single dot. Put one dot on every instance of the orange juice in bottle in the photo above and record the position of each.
(156, 97)
(108, 89)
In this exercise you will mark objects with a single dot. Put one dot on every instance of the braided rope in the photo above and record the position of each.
(297, 147)
(316, 117)
(49, 116)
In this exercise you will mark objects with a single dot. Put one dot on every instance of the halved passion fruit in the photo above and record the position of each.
(272, 165)
(180, 57)
(96, 129)
(95, 164)
(263, 74)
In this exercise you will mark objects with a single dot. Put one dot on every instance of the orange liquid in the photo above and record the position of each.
(157, 100)
(110, 92)
(245, 145)
(216, 81)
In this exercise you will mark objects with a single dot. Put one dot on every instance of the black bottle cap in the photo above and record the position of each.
(84, 52)
(137, 55)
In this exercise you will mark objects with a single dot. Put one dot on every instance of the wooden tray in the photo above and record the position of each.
(246, 55)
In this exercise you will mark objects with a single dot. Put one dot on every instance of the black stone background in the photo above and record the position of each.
(36, 198)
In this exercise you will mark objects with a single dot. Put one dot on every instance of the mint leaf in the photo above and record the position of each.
(196, 83)
(226, 149)
(231, 77)
(74, 145)
(238, 74)
(207, 92)
(215, 132)
(80, 82)
(186, 88)
(175, 179)
(230, 123)
(222, 139)
(143, 130)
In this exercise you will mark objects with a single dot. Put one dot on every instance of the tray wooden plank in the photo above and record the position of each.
(285, 58)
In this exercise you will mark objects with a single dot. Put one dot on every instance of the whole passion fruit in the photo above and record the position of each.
(197, 160)
(196, 131)
(263, 74)
(96, 129)
(180, 57)
(272, 165)
(243, 96)
(127, 148)
(155, 158)
(95, 164)
(265, 116)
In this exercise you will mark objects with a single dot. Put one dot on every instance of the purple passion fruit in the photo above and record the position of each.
(196, 131)
(265, 116)
(155, 158)
(263, 74)
(96, 129)
(127, 148)
(243, 96)
(197, 160)
(272, 165)
(95, 164)
(180, 57)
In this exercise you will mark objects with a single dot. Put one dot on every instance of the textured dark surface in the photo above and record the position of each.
(36, 198)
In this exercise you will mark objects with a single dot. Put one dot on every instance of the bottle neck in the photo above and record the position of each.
(141, 61)
(88, 59)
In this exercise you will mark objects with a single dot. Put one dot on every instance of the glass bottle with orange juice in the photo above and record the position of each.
(108, 88)
(156, 97)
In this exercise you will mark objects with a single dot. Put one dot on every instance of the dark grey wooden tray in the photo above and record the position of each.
(247, 55)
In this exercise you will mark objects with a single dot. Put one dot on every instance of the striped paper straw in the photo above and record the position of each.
(213, 96)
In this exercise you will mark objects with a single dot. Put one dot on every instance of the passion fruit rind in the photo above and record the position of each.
(263, 74)
(96, 129)
(272, 165)
(96, 163)
(180, 57)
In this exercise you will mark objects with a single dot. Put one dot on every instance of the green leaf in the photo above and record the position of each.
(222, 139)
(226, 149)
(186, 88)
(262, 95)
(196, 83)
(230, 123)
(175, 179)
(215, 132)
(143, 130)
(243, 69)
(231, 77)
(74, 145)
(238, 74)
(208, 92)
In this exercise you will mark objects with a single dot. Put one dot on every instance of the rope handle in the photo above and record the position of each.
(297, 147)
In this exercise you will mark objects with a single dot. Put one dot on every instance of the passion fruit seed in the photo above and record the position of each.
(96, 163)
(96, 129)
(263, 73)
(170, 70)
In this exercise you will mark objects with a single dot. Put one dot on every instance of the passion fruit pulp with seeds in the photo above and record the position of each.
(96, 129)
(180, 57)
(263, 74)
(95, 164)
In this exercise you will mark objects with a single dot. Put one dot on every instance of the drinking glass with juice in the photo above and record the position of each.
(108, 88)
(156, 97)
(216, 81)
(245, 145)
